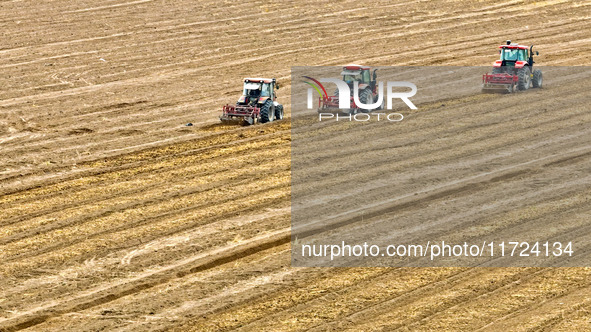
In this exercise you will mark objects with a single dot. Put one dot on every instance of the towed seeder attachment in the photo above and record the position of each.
(499, 83)
(330, 104)
(242, 114)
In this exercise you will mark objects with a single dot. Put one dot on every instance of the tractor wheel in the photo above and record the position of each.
(381, 107)
(524, 78)
(537, 82)
(267, 111)
(279, 112)
(366, 97)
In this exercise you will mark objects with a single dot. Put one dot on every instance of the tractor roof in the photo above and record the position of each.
(355, 67)
(515, 46)
(259, 80)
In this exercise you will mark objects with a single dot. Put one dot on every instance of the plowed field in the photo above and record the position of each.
(117, 216)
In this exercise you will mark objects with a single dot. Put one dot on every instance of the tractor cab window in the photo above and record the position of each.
(266, 90)
(365, 77)
(512, 54)
(352, 78)
(252, 89)
(509, 54)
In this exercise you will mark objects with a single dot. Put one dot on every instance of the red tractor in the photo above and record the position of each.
(258, 103)
(513, 69)
(368, 93)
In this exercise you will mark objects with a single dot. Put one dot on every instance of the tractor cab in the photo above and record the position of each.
(361, 74)
(252, 89)
(350, 76)
(514, 55)
(257, 90)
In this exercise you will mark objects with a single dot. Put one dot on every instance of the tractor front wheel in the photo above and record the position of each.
(267, 111)
(366, 97)
(524, 75)
(279, 112)
(537, 83)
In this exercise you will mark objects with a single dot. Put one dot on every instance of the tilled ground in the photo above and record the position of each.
(116, 215)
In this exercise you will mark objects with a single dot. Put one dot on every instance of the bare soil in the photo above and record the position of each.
(118, 216)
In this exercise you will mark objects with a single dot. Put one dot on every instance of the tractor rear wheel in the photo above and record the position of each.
(267, 111)
(524, 75)
(537, 82)
(279, 112)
